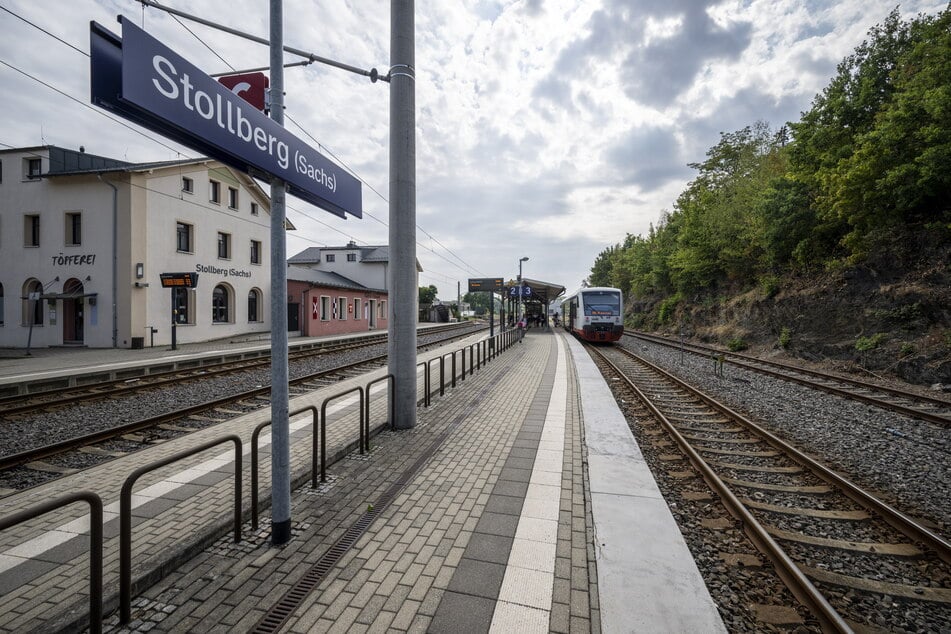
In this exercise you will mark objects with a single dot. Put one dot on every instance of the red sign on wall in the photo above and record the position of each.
(249, 86)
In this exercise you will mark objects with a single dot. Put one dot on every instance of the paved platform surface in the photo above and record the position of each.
(518, 503)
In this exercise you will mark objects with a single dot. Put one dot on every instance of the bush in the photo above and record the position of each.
(736, 344)
(770, 286)
(784, 337)
(667, 308)
(864, 344)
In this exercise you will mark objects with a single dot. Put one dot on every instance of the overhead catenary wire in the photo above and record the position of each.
(466, 267)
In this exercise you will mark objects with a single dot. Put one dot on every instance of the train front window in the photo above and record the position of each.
(603, 303)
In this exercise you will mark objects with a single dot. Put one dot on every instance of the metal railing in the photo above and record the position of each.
(125, 514)
(391, 392)
(323, 416)
(95, 543)
(313, 460)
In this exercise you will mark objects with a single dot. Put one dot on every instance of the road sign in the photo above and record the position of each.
(485, 284)
(144, 81)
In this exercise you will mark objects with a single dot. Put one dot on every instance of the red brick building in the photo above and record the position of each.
(330, 304)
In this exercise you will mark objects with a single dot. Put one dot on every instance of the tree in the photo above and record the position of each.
(899, 172)
(427, 294)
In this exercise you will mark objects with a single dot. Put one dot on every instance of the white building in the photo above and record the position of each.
(84, 239)
(366, 265)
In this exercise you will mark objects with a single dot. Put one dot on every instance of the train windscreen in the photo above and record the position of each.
(602, 303)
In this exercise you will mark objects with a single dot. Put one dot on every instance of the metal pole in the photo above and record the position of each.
(280, 425)
(404, 294)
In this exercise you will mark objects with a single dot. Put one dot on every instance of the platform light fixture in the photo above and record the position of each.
(521, 286)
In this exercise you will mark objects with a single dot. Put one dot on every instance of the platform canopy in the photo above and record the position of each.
(542, 292)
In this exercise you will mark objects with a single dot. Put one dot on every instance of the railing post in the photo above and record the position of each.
(125, 514)
(323, 413)
(95, 543)
(463, 351)
(454, 369)
(255, 434)
(442, 375)
(391, 389)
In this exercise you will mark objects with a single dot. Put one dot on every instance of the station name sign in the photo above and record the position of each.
(143, 80)
(485, 284)
(179, 280)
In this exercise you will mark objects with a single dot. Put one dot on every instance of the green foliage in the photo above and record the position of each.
(667, 308)
(906, 349)
(736, 344)
(769, 285)
(867, 163)
(864, 344)
(427, 294)
(785, 337)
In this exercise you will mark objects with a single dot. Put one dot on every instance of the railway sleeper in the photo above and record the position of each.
(880, 548)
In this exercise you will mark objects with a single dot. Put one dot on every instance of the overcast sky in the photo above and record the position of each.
(544, 128)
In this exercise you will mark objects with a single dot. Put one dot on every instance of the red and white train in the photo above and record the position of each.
(594, 314)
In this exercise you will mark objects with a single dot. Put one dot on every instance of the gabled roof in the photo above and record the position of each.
(379, 254)
(325, 278)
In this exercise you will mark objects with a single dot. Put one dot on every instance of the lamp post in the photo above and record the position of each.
(521, 285)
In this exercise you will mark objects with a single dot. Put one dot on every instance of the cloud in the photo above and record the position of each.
(647, 157)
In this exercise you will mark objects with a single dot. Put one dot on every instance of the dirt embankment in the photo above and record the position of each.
(882, 317)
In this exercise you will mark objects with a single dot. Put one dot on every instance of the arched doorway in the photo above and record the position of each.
(73, 311)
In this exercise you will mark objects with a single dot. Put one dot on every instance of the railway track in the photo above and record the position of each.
(132, 435)
(837, 547)
(932, 409)
(57, 398)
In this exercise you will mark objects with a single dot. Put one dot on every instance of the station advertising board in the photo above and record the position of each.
(143, 80)
(176, 280)
(485, 284)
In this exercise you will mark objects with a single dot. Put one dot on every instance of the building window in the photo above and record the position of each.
(183, 237)
(324, 308)
(255, 252)
(220, 301)
(382, 313)
(224, 246)
(214, 192)
(356, 309)
(341, 308)
(182, 305)
(188, 185)
(32, 304)
(74, 229)
(254, 305)
(254, 209)
(31, 230)
(232, 198)
(351, 257)
(331, 257)
(33, 167)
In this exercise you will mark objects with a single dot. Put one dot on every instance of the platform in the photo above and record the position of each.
(519, 502)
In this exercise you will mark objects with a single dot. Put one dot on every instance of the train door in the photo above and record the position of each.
(73, 312)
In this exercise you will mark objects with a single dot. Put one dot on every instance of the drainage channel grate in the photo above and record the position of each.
(281, 611)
